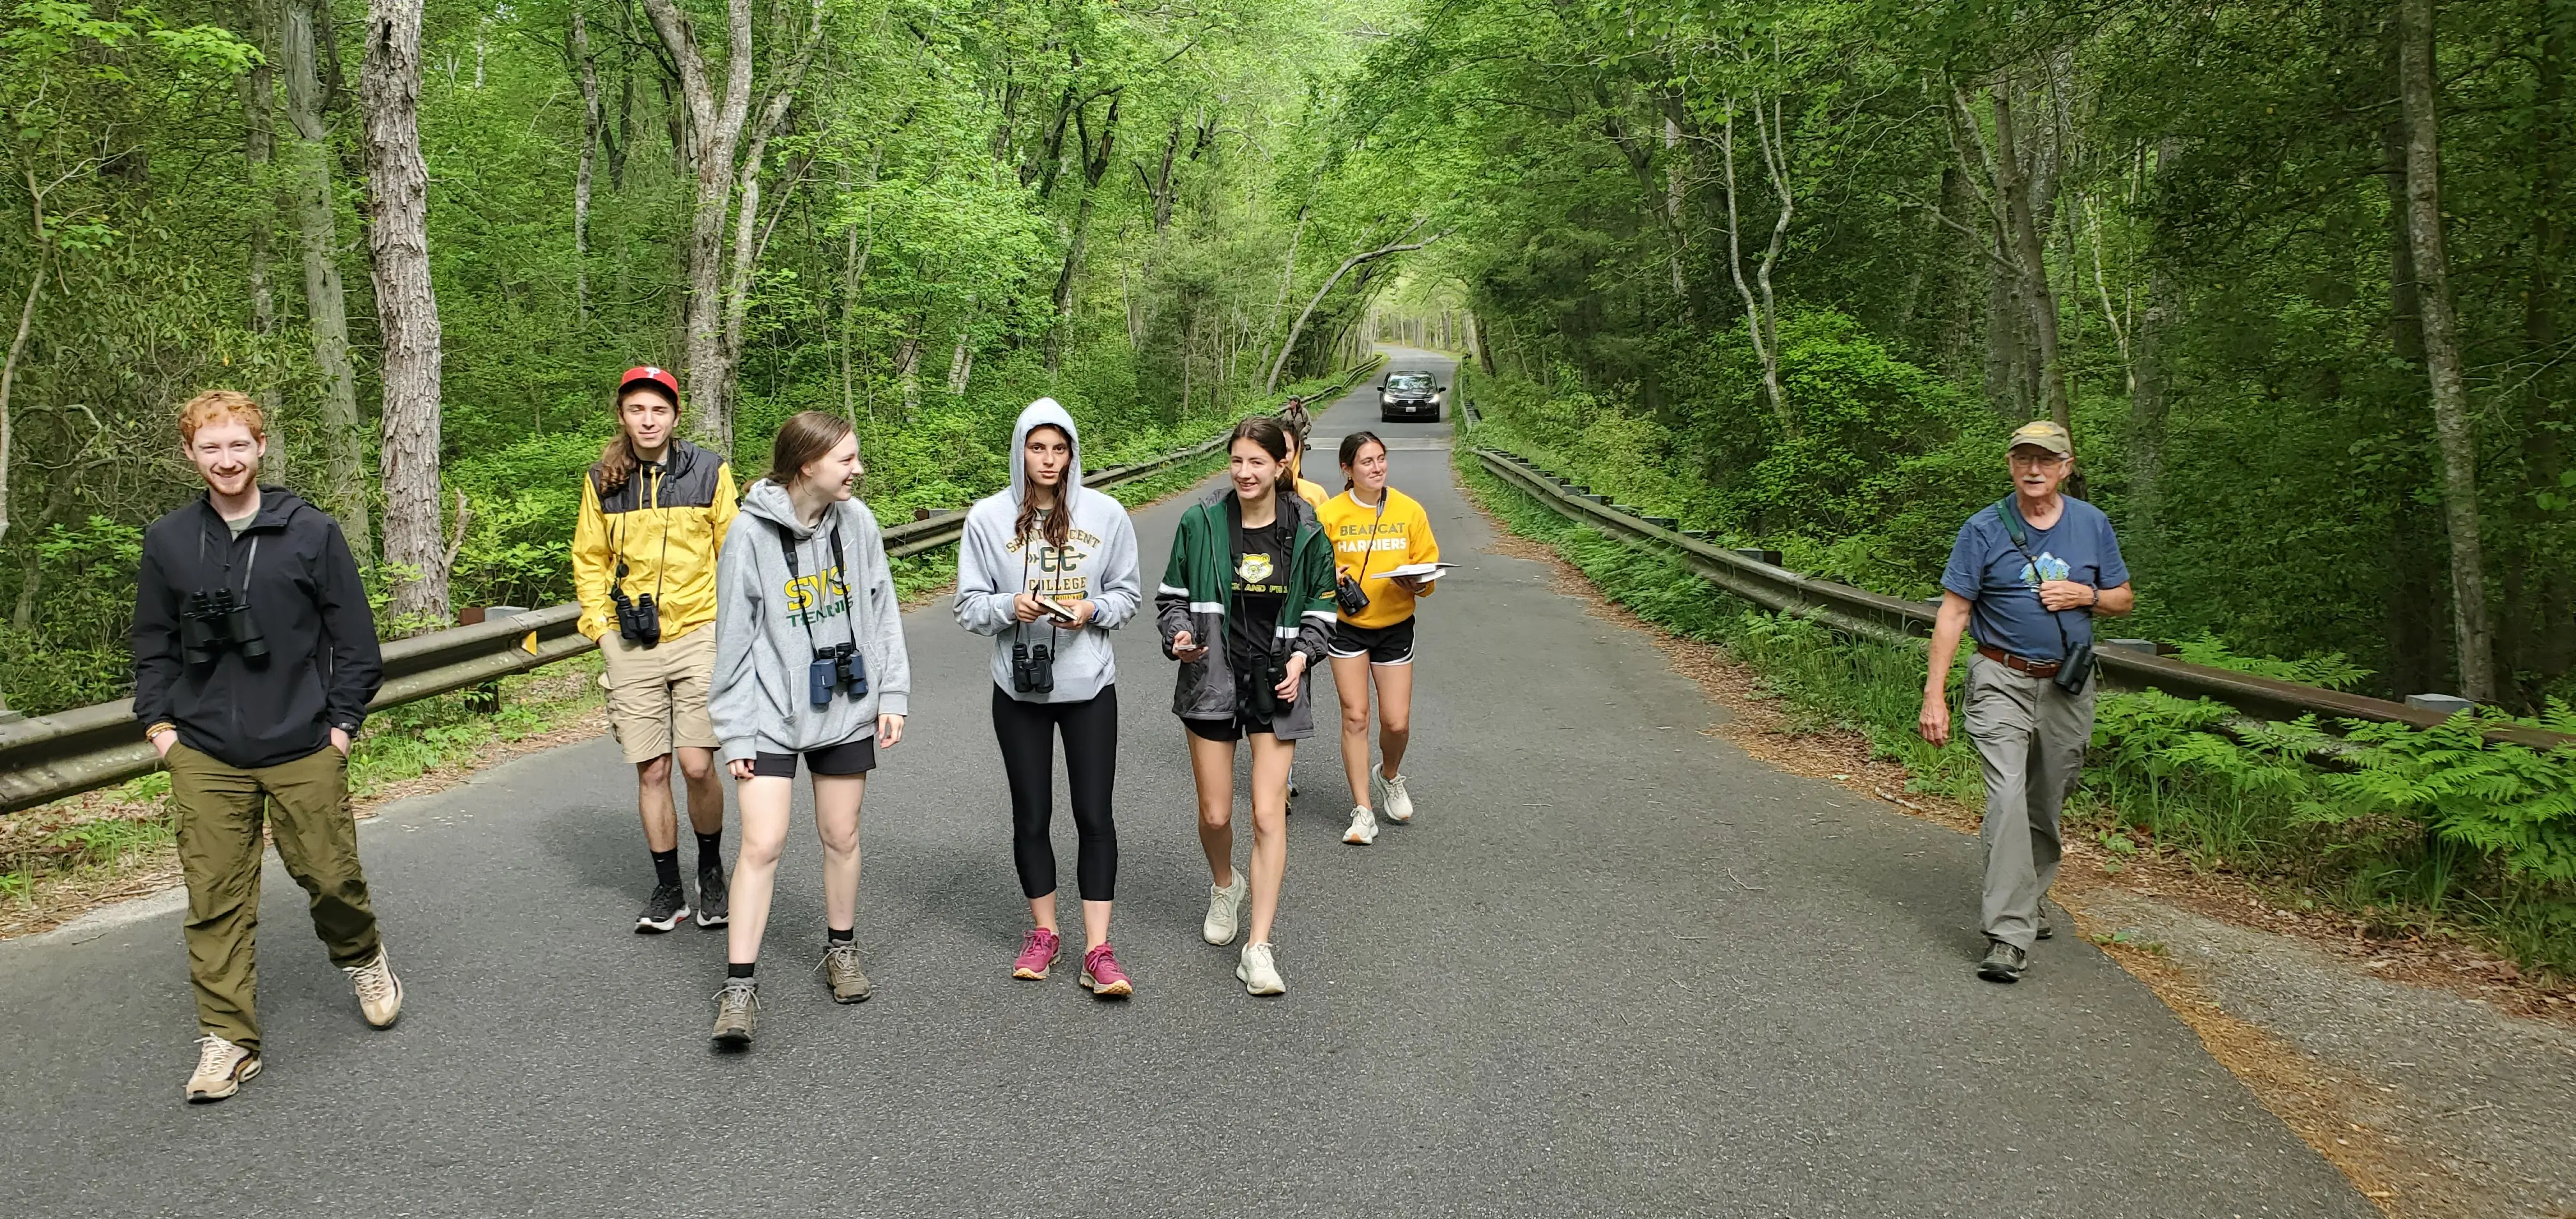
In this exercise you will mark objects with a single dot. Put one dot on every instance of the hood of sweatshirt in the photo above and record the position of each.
(1043, 411)
(770, 502)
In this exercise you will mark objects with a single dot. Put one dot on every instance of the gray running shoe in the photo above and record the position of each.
(737, 1010)
(841, 970)
(712, 911)
(2003, 963)
(663, 911)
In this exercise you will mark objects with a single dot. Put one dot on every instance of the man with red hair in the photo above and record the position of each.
(254, 660)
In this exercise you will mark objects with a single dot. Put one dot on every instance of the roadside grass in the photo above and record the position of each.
(2390, 845)
(52, 854)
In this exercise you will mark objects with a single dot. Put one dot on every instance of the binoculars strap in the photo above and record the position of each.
(2013, 529)
(787, 544)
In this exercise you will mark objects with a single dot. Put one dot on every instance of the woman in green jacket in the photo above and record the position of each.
(1246, 606)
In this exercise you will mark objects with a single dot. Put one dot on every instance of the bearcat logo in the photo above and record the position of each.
(1254, 568)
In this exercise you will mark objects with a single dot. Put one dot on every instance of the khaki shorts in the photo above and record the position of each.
(657, 696)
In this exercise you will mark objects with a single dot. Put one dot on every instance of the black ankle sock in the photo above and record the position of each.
(711, 851)
(666, 866)
(837, 937)
(737, 971)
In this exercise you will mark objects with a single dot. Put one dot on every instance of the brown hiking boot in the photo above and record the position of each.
(841, 970)
(737, 1010)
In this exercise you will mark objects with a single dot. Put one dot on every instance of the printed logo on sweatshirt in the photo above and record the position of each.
(817, 598)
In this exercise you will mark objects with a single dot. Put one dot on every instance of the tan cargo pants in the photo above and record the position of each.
(219, 810)
(2031, 737)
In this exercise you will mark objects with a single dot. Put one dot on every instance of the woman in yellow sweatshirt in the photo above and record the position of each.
(1376, 529)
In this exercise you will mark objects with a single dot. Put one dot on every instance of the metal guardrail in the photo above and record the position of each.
(48, 757)
(1861, 612)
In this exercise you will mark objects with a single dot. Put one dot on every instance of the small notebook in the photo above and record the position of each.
(1420, 571)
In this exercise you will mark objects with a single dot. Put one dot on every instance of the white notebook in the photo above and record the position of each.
(1425, 571)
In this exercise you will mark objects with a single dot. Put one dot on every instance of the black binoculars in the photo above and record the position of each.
(2076, 671)
(1259, 690)
(639, 620)
(217, 620)
(1032, 668)
(835, 667)
(1352, 597)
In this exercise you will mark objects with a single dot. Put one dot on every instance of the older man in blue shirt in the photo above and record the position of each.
(2026, 577)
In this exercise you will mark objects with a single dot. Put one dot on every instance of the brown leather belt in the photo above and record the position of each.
(2035, 668)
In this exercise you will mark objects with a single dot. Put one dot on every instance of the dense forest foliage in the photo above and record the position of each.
(2295, 274)
(919, 213)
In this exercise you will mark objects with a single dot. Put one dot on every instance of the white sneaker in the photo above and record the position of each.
(1258, 973)
(1225, 909)
(222, 1068)
(1363, 829)
(1392, 797)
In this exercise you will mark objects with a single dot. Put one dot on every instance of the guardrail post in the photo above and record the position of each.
(2446, 704)
(485, 699)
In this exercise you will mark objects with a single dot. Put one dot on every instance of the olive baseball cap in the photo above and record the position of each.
(2042, 434)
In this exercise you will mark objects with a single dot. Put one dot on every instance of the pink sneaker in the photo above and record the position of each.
(1036, 953)
(1102, 977)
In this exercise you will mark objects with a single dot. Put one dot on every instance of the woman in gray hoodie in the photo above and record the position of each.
(1047, 567)
(809, 661)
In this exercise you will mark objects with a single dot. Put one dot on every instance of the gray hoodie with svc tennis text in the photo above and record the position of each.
(1096, 564)
(769, 622)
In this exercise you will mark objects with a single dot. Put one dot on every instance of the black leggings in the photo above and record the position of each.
(1026, 732)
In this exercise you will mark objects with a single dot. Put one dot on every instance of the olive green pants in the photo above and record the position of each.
(219, 810)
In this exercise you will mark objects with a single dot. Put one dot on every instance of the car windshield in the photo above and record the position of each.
(1409, 380)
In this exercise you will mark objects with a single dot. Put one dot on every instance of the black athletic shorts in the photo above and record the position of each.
(1383, 645)
(1232, 729)
(847, 758)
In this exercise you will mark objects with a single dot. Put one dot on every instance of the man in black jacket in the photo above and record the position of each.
(254, 660)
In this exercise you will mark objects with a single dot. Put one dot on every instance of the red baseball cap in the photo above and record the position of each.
(645, 374)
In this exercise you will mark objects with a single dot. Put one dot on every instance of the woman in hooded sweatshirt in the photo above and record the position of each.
(1047, 567)
(809, 662)
(1246, 606)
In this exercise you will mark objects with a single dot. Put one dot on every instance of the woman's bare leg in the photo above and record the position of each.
(1212, 765)
(1351, 683)
(764, 803)
(1270, 761)
(836, 819)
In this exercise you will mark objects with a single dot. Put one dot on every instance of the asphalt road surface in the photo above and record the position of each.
(1614, 967)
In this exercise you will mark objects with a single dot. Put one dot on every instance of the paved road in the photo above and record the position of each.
(1614, 968)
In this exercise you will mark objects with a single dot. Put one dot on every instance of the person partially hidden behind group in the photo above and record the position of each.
(810, 663)
(654, 513)
(254, 660)
(1047, 567)
(1375, 529)
(1246, 607)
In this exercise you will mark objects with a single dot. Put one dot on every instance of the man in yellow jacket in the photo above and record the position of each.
(654, 511)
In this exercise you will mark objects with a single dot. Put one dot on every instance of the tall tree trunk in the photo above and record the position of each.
(1760, 316)
(2149, 387)
(309, 156)
(713, 137)
(259, 152)
(588, 68)
(2027, 185)
(1095, 164)
(398, 239)
(44, 245)
(2451, 423)
(2547, 645)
